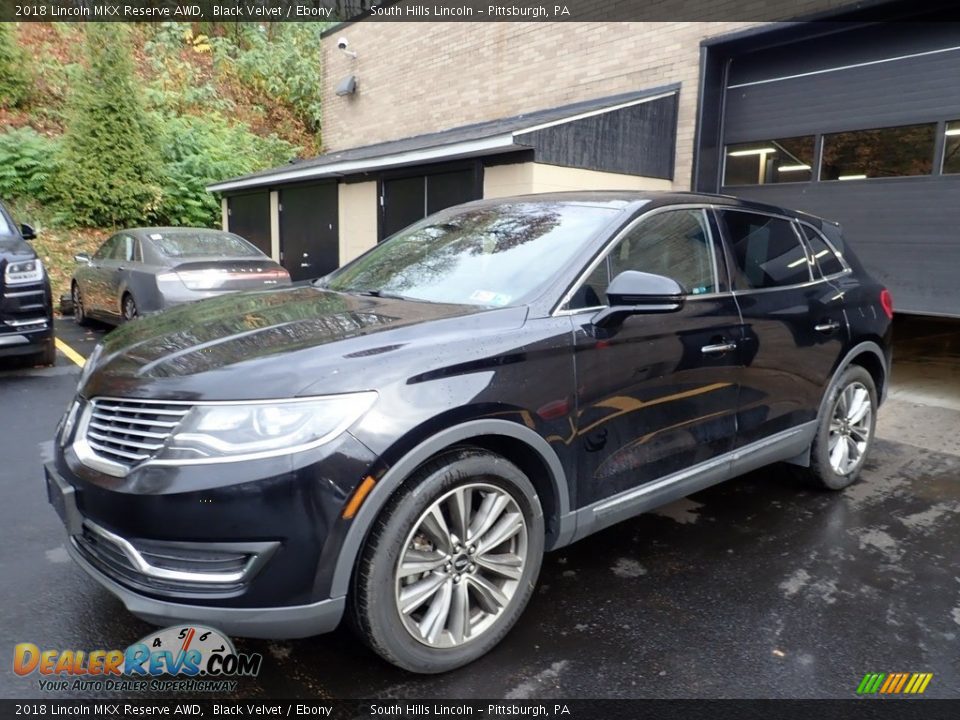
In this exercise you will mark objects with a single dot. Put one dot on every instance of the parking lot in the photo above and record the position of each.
(757, 588)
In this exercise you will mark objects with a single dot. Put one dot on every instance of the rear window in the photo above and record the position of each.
(766, 250)
(201, 244)
(823, 255)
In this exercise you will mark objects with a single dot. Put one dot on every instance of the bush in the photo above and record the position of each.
(284, 65)
(110, 170)
(28, 165)
(201, 150)
(14, 78)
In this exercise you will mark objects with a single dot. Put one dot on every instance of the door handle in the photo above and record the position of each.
(827, 327)
(719, 348)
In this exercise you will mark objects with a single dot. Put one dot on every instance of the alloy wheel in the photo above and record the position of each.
(461, 565)
(850, 428)
(129, 308)
(77, 305)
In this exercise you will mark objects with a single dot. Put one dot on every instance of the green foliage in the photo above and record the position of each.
(110, 172)
(142, 149)
(28, 165)
(14, 77)
(201, 150)
(283, 63)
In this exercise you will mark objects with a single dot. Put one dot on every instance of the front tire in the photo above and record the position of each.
(845, 433)
(128, 308)
(451, 562)
(79, 314)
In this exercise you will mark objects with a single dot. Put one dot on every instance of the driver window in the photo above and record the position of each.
(106, 250)
(674, 243)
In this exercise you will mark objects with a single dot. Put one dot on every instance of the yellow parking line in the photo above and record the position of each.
(72, 354)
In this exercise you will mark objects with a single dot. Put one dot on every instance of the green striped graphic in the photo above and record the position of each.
(870, 683)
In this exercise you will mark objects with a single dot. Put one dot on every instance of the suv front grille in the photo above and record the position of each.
(127, 432)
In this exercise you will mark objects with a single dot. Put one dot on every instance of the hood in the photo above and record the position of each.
(13, 247)
(271, 344)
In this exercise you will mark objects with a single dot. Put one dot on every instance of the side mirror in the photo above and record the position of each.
(27, 232)
(635, 293)
(82, 258)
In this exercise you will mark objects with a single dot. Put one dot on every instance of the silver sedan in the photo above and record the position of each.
(143, 270)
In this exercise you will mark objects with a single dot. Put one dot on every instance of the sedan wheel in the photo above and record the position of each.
(130, 311)
(79, 314)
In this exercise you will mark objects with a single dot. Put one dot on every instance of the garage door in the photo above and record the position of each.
(309, 244)
(405, 200)
(249, 217)
(863, 127)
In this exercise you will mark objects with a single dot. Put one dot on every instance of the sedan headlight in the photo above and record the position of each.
(247, 430)
(23, 271)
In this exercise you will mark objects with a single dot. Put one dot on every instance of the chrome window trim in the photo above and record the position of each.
(559, 310)
(598, 308)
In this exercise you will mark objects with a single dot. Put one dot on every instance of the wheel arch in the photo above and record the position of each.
(867, 354)
(517, 443)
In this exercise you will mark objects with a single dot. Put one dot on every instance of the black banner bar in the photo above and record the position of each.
(873, 708)
(458, 10)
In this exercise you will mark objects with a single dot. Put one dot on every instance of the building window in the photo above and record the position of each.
(771, 161)
(885, 152)
(951, 148)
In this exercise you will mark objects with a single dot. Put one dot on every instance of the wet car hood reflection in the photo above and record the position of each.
(212, 337)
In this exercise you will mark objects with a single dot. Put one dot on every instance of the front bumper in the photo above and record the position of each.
(250, 547)
(26, 318)
(275, 623)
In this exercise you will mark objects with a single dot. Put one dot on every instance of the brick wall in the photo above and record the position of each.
(416, 78)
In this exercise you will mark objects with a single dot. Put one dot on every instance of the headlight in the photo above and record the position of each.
(24, 271)
(247, 430)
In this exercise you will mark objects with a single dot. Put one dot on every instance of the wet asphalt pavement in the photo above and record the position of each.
(757, 588)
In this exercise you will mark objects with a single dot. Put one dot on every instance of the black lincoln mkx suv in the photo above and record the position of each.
(26, 306)
(402, 440)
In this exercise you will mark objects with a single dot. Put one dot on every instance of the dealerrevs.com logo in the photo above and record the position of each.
(197, 658)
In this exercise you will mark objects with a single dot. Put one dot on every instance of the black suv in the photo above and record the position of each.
(26, 307)
(402, 440)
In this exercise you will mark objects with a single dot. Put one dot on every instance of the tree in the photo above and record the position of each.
(110, 168)
(14, 79)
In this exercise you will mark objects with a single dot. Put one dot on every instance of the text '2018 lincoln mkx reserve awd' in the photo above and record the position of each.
(401, 441)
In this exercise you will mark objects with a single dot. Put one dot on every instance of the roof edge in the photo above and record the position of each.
(501, 141)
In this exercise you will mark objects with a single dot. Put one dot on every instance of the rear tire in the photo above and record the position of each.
(845, 431)
(474, 587)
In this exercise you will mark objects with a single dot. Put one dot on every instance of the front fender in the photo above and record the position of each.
(384, 488)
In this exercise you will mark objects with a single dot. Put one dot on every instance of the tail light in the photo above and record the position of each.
(886, 300)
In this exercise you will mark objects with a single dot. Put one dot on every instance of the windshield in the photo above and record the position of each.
(495, 255)
(5, 228)
(181, 244)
